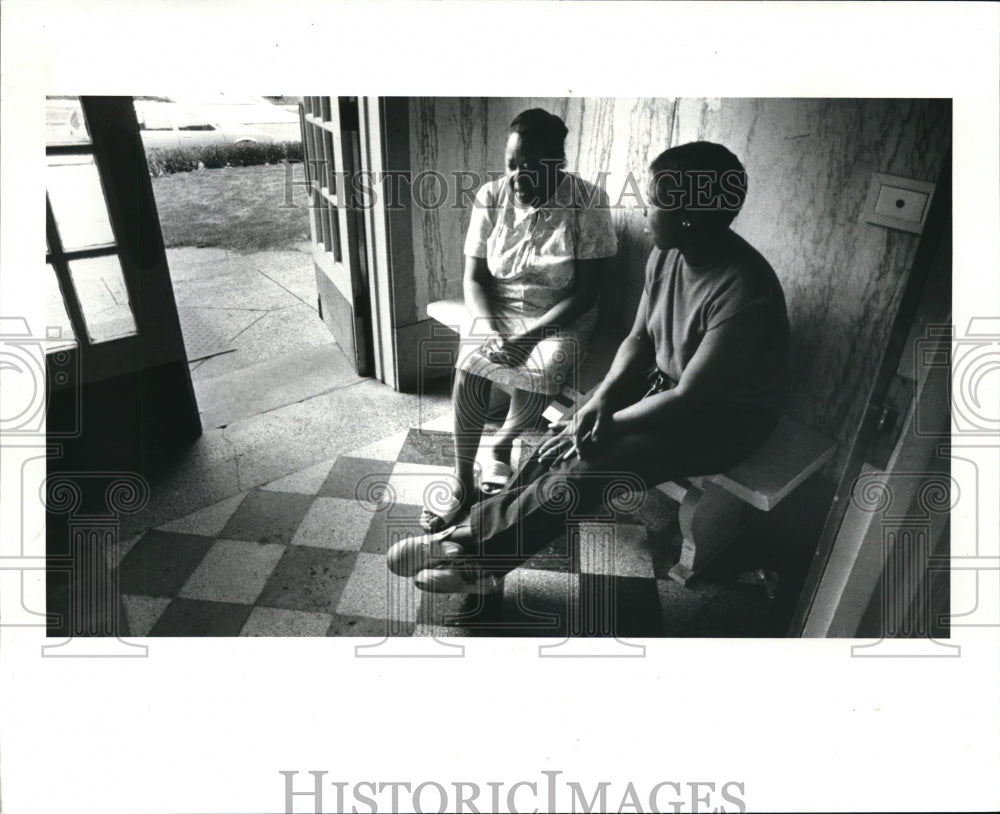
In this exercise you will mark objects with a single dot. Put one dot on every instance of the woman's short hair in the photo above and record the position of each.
(542, 128)
(700, 177)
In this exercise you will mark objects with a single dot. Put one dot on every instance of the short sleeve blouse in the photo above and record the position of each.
(530, 250)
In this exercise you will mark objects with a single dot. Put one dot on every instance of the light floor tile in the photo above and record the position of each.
(615, 549)
(333, 522)
(142, 612)
(304, 482)
(233, 571)
(385, 450)
(444, 422)
(209, 521)
(281, 622)
(374, 591)
(410, 482)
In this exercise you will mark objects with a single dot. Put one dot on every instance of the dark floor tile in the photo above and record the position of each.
(664, 549)
(308, 579)
(364, 626)
(627, 607)
(561, 554)
(267, 517)
(161, 562)
(390, 526)
(538, 603)
(197, 617)
(481, 615)
(356, 478)
(78, 607)
(679, 604)
(738, 611)
(430, 447)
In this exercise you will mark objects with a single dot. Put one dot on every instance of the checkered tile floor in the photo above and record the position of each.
(305, 556)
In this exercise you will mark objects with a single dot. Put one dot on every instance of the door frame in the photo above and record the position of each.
(332, 149)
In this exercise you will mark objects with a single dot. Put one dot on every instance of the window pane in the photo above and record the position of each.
(77, 198)
(64, 121)
(100, 286)
(152, 116)
(58, 329)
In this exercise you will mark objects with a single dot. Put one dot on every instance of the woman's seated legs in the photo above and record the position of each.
(506, 529)
(525, 409)
(470, 402)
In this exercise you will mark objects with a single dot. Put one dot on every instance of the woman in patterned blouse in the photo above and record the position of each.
(537, 243)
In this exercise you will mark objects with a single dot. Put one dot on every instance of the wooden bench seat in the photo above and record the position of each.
(711, 507)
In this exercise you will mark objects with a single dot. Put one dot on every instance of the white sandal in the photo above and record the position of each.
(497, 474)
(434, 519)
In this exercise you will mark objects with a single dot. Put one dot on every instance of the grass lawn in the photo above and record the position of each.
(243, 209)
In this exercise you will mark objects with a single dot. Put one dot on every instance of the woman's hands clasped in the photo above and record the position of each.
(510, 351)
(592, 426)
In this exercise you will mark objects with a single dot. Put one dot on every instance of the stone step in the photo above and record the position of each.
(271, 384)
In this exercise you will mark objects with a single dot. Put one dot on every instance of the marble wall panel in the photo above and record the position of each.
(447, 136)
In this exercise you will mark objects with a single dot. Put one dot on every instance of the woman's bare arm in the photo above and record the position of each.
(723, 352)
(634, 355)
(476, 289)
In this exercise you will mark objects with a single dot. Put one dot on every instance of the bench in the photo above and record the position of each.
(711, 506)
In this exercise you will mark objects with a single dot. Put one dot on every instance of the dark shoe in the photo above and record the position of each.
(413, 554)
(463, 579)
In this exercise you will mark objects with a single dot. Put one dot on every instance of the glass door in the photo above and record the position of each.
(111, 312)
(332, 151)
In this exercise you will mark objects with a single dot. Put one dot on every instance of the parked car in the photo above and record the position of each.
(167, 124)
(289, 103)
(281, 122)
(64, 122)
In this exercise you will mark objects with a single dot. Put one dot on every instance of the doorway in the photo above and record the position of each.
(235, 219)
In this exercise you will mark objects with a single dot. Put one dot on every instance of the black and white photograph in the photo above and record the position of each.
(448, 369)
(659, 384)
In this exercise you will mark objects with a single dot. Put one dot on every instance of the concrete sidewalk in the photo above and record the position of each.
(252, 330)
(277, 395)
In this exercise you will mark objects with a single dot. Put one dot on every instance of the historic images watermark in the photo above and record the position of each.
(694, 191)
(313, 793)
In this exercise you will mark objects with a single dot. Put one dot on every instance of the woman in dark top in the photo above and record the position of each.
(696, 386)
